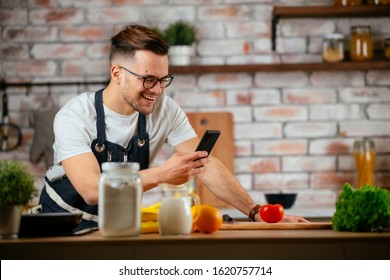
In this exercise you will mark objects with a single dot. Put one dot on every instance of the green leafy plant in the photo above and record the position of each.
(362, 209)
(180, 33)
(16, 183)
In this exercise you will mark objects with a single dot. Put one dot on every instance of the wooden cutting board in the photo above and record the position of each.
(283, 226)
(223, 149)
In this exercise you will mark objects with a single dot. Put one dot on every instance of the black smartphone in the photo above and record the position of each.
(208, 141)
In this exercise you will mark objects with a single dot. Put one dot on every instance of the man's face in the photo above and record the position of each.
(145, 63)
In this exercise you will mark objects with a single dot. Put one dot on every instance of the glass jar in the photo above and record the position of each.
(333, 48)
(120, 194)
(364, 153)
(361, 46)
(347, 2)
(377, 2)
(387, 48)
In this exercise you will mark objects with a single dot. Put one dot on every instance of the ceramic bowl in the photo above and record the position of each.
(285, 199)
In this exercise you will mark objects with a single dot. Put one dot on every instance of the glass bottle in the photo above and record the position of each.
(120, 194)
(333, 48)
(361, 46)
(364, 153)
(387, 48)
(347, 2)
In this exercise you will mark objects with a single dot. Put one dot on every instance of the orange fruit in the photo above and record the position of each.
(209, 219)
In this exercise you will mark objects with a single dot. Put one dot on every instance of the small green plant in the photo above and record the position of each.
(362, 209)
(16, 183)
(180, 33)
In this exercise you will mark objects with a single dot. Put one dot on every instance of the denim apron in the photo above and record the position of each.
(61, 196)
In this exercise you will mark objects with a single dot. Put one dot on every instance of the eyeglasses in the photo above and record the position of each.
(150, 81)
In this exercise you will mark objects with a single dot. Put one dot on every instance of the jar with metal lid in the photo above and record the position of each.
(387, 48)
(120, 194)
(347, 2)
(361, 46)
(333, 48)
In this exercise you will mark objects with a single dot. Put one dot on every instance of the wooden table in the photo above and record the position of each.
(223, 244)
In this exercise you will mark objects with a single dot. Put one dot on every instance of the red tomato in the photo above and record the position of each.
(272, 213)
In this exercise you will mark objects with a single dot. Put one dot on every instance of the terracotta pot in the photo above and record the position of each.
(10, 221)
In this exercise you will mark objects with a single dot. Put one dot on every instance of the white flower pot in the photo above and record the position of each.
(180, 55)
(10, 217)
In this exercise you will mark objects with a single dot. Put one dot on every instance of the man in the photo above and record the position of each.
(130, 120)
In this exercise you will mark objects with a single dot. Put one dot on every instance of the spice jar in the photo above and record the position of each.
(333, 48)
(361, 46)
(120, 193)
(347, 2)
(387, 48)
(364, 153)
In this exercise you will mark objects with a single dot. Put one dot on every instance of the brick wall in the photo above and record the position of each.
(294, 131)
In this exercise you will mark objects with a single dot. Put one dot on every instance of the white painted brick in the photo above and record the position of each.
(253, 97)
(382, 145)
(56, 16)
(247, 29)
(346, 163)
(257, 131)
(58, 51)
(331, 180)
(97, 50)
(30, 68)
(252, 59)
(291, 45)
(285, 79)
(378, 111)
(310, 129)
(315, 45)
(309, 95)
(365, 128)
(209, 60)
(222, 47)
(213, 30)
(166, 13)
(14, 52)
(262, 45)
(285, 182)
(225, 81)
(13, 16)
(364, 95)
(280, 147)
(301, 58)
(224, 12)
(378, 25)
(309, 163)
(314, 198)
(30, 34)
(199, 100)
(245, 180)
(182, 82)
(280, 113)
(306, 27)
(263, 12)
(243, 148)
(382, 163)
(379, 78)
(241, 113)
(328, 146)
(325, 78)
(335, 112)
(257, 165)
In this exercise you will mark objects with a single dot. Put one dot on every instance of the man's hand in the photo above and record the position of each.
(182, 167)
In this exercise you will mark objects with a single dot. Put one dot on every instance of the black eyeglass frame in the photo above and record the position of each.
(144, 78)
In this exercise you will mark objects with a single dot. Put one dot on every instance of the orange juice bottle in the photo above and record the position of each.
(364, 153)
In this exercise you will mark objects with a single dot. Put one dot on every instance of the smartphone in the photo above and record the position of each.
(208, 141)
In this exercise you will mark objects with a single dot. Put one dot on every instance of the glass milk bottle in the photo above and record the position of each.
(120, 194)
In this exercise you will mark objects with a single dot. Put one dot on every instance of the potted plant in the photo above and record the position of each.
(16, 190)
(181, 36)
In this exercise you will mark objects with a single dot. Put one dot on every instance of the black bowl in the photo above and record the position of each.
(285, 199)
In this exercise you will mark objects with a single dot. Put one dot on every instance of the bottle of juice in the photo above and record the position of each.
(364, 153)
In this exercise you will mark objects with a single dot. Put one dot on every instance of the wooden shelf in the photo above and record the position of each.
(288, 12)
(251, 68)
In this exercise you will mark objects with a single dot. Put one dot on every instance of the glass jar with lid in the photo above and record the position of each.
(120, 194)
(347, 2)
(387, 48)
(361, 46)
(333, 48)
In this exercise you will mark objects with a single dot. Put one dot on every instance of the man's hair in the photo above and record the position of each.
(135, 37)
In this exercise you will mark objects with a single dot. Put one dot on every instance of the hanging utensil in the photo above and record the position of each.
(10, 134)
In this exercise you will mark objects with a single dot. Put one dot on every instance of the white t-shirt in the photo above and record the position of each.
(75, 128)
